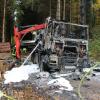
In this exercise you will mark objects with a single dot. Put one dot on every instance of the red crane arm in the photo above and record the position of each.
(33, 28)
(17, 36)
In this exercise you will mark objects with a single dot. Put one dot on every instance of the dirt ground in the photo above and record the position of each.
(90, 90)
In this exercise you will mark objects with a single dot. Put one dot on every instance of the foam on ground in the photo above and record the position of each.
(21, 73)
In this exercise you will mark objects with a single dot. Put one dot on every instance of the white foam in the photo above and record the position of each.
(20, 73)
(62, 82)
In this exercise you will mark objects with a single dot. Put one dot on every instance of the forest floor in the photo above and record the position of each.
(90, 89)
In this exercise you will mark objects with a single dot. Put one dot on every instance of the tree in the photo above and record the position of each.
(58, 14)
(64, 7)
(3, 27)
(1, 17)
(6, 11)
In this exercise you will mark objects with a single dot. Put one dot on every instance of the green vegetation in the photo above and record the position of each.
(94, 45)
(35, 11)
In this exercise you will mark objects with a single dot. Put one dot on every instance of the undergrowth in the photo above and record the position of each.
(94, 43)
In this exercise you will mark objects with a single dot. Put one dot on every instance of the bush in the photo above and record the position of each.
(94, 43)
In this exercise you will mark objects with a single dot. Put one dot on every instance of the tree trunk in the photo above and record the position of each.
(70, 11)
(3, 27)
(58, 14)
(83, 12)
(50, 8)
(64, 4)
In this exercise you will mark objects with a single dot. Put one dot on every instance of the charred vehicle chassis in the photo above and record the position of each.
(64, 46)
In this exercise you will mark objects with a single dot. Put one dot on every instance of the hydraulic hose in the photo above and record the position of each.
(31, 53)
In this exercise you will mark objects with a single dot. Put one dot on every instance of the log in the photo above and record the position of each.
(5, 47)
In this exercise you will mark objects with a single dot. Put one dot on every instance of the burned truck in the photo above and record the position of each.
(64, 47)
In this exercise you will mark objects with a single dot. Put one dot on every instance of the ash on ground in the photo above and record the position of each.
(44, 83)
(51, 87)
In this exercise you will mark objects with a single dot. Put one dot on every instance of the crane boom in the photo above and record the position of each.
(18, 34)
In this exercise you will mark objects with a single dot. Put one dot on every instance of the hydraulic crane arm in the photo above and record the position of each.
(33, 28)
(18, 34)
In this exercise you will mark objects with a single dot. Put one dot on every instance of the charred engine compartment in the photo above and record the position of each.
(64, 47)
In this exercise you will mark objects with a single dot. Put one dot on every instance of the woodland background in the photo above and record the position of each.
(32, 12)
